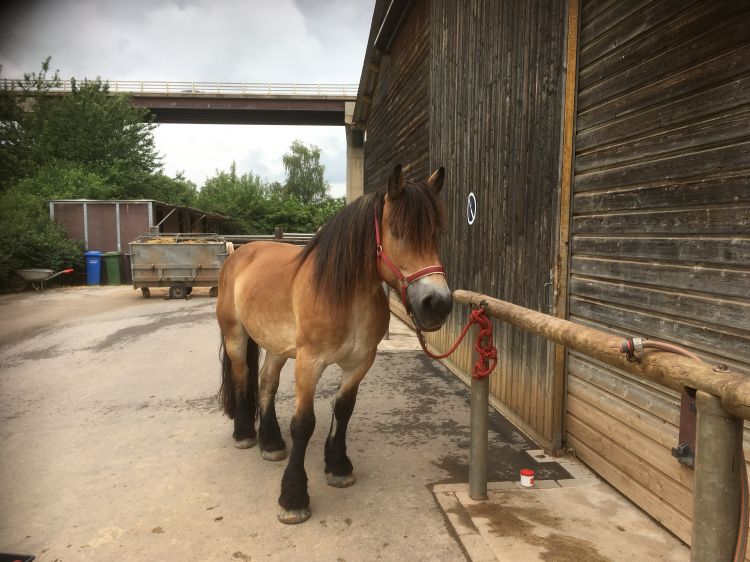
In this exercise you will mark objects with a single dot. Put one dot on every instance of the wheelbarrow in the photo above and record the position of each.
(38, 277)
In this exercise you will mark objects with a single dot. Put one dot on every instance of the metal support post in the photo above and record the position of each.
(480, 398)
(716, 504)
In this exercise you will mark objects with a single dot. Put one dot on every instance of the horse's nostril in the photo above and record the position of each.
(437, 303)
(444, 304)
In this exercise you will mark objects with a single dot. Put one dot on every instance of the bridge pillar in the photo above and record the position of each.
(355, 156)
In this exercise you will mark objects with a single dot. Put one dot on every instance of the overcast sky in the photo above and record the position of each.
(312, 41)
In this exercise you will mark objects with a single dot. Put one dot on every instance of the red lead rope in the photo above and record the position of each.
(484, 345)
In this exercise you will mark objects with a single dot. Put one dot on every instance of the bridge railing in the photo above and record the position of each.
(236, 88)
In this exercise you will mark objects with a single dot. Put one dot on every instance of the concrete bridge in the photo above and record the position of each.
(231, 102)
(243, 103)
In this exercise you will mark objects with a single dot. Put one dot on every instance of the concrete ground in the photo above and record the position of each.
(112, 446)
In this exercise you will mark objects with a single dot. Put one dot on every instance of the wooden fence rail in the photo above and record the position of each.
(723, 401)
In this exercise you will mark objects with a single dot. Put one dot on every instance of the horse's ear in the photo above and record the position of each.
(435, 181)
(396, 182)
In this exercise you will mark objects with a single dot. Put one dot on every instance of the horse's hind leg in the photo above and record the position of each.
(339, 469)
(239, 385)
(272, 445)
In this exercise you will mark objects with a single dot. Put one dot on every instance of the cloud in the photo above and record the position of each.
(227, 40)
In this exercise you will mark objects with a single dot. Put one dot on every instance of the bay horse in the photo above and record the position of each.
(320, 305)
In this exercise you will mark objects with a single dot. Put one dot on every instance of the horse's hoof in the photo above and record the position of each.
(294, 516)
(340, 481)
(279, 455)
(245, 443)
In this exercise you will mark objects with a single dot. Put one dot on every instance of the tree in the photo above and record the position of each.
(28, 238)
(305, 174)
(243, 198)
(258, 207)
(88, 128)
(20, 117)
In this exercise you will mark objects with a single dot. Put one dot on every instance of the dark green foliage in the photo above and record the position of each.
(305, 174)
(88, 129)
(257, 207)
(28, 238)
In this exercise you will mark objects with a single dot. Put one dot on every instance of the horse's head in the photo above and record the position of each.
(413, 219)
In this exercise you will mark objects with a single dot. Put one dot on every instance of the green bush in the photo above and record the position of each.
(29, 238)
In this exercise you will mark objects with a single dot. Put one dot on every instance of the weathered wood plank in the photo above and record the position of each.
(685, 164)
(710, 100)
(675, 29)
(732, 252)
(398, 127)
(592, 409)
(716, 221)
(715, 41)
(634, 463)
(638, 491)
(717, 281)
(652, 412)
(713, 189)
(727, 128)
(598, 35)
(697, 336)
(713, 358)
(710, 72)
(719, 312)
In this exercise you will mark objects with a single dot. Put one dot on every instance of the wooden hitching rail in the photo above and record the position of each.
(668, 369)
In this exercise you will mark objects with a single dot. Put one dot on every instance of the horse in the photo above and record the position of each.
(325, 304)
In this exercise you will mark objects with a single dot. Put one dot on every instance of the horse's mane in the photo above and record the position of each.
(343, 249)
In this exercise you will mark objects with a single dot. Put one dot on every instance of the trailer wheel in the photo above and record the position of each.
(178, 292)
(213, 292)
(146, 292)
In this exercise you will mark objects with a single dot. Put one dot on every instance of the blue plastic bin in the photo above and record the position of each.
(93, 267)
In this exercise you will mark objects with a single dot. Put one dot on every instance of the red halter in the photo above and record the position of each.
(405, 281)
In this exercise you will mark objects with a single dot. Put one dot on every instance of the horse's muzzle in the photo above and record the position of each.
(430, 305)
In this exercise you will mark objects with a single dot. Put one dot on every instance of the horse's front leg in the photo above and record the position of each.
(339, 469)
(294, 500)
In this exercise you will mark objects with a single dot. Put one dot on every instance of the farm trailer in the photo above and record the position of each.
(177, 261)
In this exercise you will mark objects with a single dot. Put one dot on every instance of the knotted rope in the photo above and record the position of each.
(484, 345)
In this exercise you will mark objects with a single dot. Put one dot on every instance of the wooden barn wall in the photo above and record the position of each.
(660, 231)
(397, 129)
(496, 94)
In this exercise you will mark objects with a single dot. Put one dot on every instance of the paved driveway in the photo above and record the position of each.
(113, 448)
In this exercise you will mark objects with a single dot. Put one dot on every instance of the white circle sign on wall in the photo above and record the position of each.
(471, 209)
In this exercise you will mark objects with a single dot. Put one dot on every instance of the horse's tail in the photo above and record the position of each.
(228, 391)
